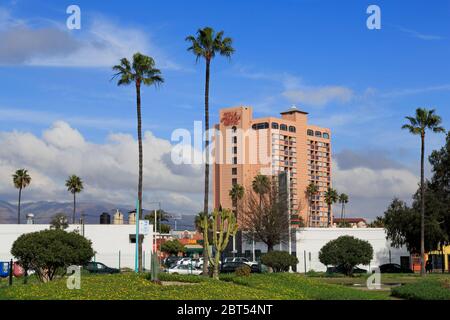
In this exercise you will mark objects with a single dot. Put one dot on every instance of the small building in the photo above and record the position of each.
(114, 244)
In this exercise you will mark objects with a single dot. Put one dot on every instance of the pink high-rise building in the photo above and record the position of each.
(245, 146)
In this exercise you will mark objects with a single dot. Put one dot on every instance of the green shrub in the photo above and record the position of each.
(279, 261)
(243, 271)
(48, 252)
(346, 251)
(424, 289)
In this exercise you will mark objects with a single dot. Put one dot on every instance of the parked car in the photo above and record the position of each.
(199, 263)
(229, 267)
(171, 261)
(341, 269)
(98, 267)
(185, 261)
(241, 259)
(184, 269)
(394, 268)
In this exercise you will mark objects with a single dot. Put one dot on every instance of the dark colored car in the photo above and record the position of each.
(341, 269)
(394, 268)
(98, 267)
(171, 261)
(229, 267)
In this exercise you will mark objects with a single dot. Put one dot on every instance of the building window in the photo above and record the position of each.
(326, 135)
(234, 129)
(291, 129)
(283, 127)
(235, 150)
(310, 132)
(234, 139)
(318, 134)
(259, 126)
(234, 181)
(274, 125)
(234, 160)
(233, 171)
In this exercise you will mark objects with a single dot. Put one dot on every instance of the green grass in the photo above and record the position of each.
(132, 286)
(430, 288)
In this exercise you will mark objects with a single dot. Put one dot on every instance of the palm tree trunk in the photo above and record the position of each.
(422, 208)
(342, 212)
(206, 194)
(18, 206)
(139, 124)
(329, 215)
(74, 208)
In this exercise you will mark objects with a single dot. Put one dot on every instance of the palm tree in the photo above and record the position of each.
(236, 194)
(74, 185)
(261, 185)
(343, 200)
(331, 196)
(424, 119)
(141, 71)
(311, 191)
(206, 44)
(21, 180)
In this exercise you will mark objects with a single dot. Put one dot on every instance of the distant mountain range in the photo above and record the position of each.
(44, 210)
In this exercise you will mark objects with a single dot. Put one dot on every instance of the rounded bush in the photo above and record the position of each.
(279, 261)
(346, 251)
(243, 271)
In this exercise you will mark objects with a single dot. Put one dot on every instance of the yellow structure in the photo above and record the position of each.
(436, 257)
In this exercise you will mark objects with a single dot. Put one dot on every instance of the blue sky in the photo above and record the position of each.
(318, 55)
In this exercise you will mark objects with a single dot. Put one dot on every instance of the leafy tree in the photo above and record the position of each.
(440, 183)
(311, 191)
(140, 72)
(346, 251)
(377, 223)
(205, 45)
(48, 251)
(331, 196)
(265, 218)
(223, 224)
(172, 247)
(74, 185)
(59, 221)
(279, 261)
(402, 224)
(418, 125)
(21, 180)
(343, 200)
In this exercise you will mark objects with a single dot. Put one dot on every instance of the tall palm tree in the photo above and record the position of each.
(21, 180)
(206, 44)
(74, 185)
(311, 190)
(423, 120)
(261, 185)
(331, 196)
(343, 200)
(140, 72)
(236, 194)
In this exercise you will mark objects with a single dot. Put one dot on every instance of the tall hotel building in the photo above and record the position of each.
(245, 146)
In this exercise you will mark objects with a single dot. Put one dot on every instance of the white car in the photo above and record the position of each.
(184, 261)
(199, 263)
(184, 269)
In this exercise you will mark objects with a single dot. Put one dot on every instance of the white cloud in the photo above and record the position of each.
(319, 95)
(371, 190)
(109, 170)
(100, 44)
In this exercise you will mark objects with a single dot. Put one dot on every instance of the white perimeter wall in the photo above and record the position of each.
(312, 240)
(107, 241)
